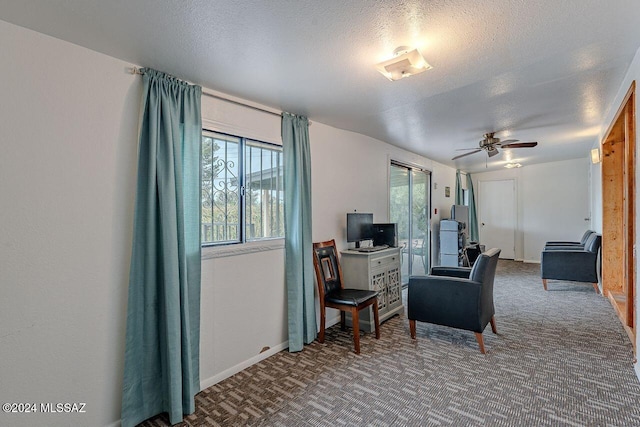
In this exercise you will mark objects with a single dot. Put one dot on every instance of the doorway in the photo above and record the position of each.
(618, 214)
(497, 216)
(409, 207)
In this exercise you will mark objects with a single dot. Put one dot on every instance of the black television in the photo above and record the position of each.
(359, 227)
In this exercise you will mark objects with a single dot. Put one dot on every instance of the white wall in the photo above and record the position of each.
(67, 181)
(68, 154)
(552, 203)
(633, 74)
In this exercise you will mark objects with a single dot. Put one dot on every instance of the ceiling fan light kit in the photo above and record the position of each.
(406, 62)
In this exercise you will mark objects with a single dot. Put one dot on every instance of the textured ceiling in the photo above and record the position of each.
(541, 70)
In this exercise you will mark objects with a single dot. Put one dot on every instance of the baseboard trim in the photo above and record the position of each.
(206, 383)
(531, 261)
(331, 322)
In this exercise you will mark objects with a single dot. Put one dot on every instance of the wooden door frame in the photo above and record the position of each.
(621, 130)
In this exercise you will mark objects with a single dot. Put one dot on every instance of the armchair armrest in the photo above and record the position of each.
(565, 247)
(560, 243)
(461, 272)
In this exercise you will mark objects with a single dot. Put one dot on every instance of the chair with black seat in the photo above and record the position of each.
(572, 263)
(333, 294)
(458, 297)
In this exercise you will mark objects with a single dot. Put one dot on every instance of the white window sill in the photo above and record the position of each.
(222, 251)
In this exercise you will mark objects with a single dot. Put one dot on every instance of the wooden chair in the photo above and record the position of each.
(333, 294)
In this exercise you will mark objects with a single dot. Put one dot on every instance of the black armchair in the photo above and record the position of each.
(458, 297)
(574, 264)
(581, 243)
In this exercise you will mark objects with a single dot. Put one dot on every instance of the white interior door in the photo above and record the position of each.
(497, 216)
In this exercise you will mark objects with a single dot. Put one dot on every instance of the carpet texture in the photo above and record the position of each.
(561, 358)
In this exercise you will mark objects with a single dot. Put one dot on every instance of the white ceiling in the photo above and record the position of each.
(543, 70)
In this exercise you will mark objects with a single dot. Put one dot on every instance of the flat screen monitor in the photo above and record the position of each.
(385, 234)
(359, 227)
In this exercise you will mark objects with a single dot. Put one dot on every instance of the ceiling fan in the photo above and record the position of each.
(490, 144)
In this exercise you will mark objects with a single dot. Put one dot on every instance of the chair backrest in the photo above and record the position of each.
(484, 269)
(586, 235)
(327, 267)
(593, 243)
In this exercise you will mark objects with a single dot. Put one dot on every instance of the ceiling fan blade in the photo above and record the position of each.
(520, 145)
(508, 141)
(466, 149)
(466, 154)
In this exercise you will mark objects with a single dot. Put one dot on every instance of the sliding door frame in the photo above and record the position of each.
(412, 167)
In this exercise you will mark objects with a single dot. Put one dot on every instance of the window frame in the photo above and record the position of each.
(243, 143)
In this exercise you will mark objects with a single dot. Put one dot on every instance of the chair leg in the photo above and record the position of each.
(322, 325)
(412, 328)
(376, 319)
(544, 284)
(493, 325)
(480, 341)
(356, 329)
(595, 286)
(343, 320)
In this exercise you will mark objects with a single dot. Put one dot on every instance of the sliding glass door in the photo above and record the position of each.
(409, 207)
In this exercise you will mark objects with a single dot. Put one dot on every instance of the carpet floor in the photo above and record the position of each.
(560, 358)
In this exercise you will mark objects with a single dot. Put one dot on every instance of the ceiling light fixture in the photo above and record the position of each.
(406, 62)
(512, 165)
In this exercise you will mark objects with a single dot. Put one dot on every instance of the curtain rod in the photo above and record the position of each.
(136, 70)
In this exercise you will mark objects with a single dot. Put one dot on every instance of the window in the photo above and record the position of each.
(242, 190)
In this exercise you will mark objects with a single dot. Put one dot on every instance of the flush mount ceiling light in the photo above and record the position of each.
(512, 165)
(406, 62)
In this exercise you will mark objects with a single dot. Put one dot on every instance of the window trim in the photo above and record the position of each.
(227, 250)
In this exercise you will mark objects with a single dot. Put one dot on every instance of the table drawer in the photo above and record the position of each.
(383, 261)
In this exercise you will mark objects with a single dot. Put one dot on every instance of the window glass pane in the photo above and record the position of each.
(220, 188)
(264, 199)
(420, 222)
(399, 209)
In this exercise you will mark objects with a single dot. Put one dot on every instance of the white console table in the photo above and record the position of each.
(376, 271)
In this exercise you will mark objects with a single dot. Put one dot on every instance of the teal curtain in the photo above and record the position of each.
(459, 194)
(161, 367)
(297, 222)
(473, 216)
